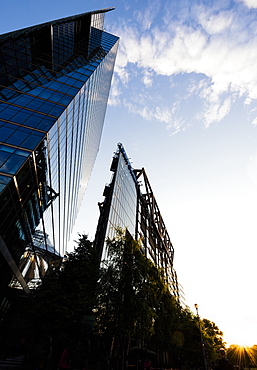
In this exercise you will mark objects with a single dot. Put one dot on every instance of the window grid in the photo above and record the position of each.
(48, 111)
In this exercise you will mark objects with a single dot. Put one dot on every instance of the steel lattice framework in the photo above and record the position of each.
(152, 231)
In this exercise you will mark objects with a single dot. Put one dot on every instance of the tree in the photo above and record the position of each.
(136, 309)
(65, 297)
(132, 306)
(213, 339)
(130, 291)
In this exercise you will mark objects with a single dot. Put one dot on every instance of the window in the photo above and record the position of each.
(12, 165)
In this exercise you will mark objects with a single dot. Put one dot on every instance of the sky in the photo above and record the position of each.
(184, 105)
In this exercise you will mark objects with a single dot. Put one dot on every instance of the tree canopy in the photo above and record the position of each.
(134, 314)
(67, 293)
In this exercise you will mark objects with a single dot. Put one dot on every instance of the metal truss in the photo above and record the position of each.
(153, 232)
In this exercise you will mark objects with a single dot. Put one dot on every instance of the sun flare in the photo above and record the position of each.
(243, 356)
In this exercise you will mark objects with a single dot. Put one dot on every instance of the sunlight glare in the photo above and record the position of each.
(243, 356)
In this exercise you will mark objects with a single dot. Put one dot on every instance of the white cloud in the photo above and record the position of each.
(219, 47)
(247, 101)
(147, 78)
(175, 126)
(157, 113)
(215, 23)
(250, 3)
(215, 112)
(114, 97)
(145, 18)
(143, 106)
(254, 122)
(122, 73)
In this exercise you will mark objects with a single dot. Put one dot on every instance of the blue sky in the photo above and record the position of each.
(183, 103)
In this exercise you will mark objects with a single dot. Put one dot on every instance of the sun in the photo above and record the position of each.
(243, 356)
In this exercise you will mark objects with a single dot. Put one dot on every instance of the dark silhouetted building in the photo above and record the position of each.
(54, 85)
(130, 204)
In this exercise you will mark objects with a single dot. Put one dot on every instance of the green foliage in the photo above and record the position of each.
(135, 304)
(131, 302)
(212, 338)
(130, 290)
(67, 294)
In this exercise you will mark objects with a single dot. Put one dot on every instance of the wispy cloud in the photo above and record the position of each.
(218, 44)
(157, 113)
(114, 98)
(145, 18)
(147, 78)
(254, 122)
(249, 3)
(216, 23)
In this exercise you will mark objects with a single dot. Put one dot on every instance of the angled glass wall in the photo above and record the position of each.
(54, 85)
(122, 209)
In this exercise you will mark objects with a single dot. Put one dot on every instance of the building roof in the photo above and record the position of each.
(18, 33)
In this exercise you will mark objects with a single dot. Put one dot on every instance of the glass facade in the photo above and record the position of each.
(131, 205)
(54, 85)
(123, 203)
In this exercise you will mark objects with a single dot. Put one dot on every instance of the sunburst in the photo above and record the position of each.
(243, 356)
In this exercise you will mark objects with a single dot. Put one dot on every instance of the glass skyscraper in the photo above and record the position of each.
(54, 85)
(130, 204)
